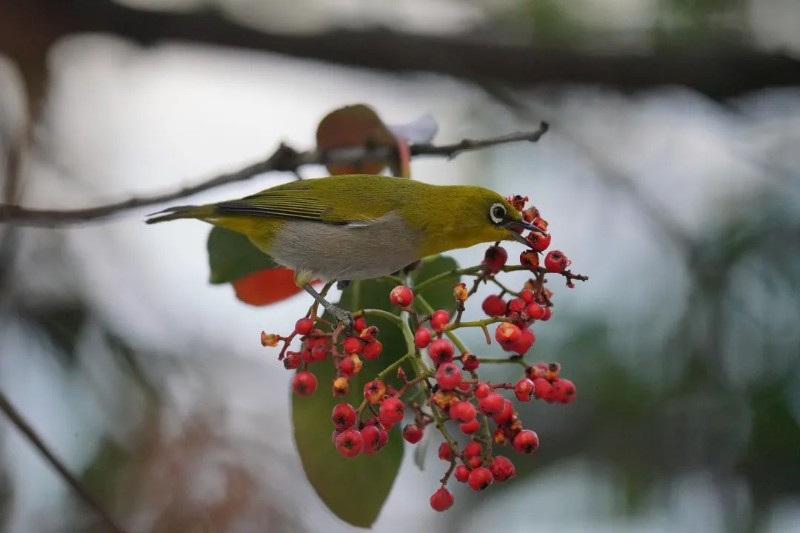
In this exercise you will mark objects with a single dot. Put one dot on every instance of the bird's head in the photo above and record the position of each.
(468, 215)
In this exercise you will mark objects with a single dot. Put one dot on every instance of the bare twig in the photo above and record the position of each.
(284, 159)
(22, 425)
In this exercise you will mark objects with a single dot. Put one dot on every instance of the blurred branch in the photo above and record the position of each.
(284, 159)
(608, 171)
(719, 73)
(22, 425)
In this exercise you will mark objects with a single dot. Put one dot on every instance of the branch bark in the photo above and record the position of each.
(718, 73)
(284, 159)
(22, 425)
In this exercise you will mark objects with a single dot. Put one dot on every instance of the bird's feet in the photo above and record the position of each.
(342, 317)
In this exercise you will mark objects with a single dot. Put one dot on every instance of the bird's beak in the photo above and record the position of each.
(514, 225)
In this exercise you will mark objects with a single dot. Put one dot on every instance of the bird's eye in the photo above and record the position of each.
(497, 213)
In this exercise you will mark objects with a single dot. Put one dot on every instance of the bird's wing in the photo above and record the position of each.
(278, 204)
(346, 201)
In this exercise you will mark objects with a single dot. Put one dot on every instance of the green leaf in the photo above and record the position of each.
(232, 256)
(439, 293)
(355, 489)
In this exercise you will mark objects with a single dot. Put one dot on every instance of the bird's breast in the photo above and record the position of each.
(354, 251)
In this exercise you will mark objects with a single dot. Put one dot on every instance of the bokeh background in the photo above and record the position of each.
(669, 176)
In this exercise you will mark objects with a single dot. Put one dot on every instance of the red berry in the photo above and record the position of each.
(461, 473)
(507, 333)
(563, 390)
(523, 343)
(482, 390)
(347, 366)
(369, 333)
(344, 416)
(441, 351)
(439, 320)
(556, 261)
(375, 438)
(448, 376)
(441, 500)
(492, 404)
(303, 326)
(372, 349)
(502, 468)
(526, 441)
(391, 412)
(495, 258)
(529, 259)
(517, 305)
(401, 296)
(530, 214)
(349, 442)
(304, 383)
(506, 414)
(422, 337)
(359, 324)
(291, 360)
(470, 361)
(472, 449)
(352, 345)
(526, 295)
(412, 433)
(468, 428)
(480, 478)
(319, 351)
(494, 305)
(524, 389)
(542, 388)
(445, 452)
(548, 312)
(462, 411)
(473, 462)
(535, 311)
(537, 241)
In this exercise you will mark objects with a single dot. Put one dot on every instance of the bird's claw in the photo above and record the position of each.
(343, 317)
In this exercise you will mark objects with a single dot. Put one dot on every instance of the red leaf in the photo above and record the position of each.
(356, 125)
(266, 286)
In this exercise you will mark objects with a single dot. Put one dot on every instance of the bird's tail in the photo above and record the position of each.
(203, 212)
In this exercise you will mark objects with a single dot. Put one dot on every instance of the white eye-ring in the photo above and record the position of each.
(497, 212)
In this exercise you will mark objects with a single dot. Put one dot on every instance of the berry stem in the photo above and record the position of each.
(449, 472)
(497, 360)
(386, 371)
(381, 313)
(444, 275)
(452, 336)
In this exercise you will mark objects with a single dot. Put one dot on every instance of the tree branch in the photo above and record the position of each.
(284, 159)
(722, 72)
(22, 425)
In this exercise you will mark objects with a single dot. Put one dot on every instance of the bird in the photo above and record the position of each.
(354, 227)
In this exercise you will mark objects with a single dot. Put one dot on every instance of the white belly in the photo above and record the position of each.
(347, 252)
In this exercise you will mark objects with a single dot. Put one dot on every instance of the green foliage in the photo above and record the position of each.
(353, 488)
(439, 293)
(232, 256)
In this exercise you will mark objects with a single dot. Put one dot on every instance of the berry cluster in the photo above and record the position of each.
(438, 387)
